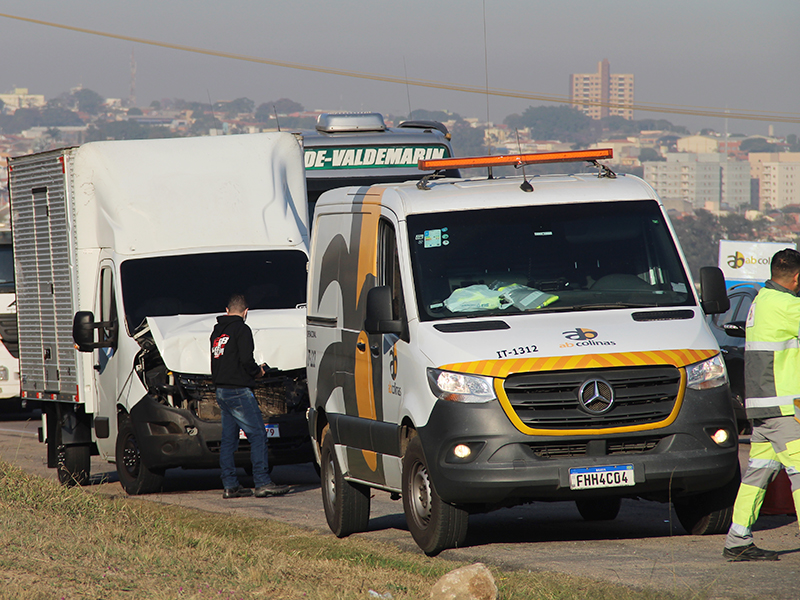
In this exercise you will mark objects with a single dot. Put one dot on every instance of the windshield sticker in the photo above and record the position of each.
(433, 238)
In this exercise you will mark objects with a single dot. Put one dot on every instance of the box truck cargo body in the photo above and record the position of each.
(131, 249)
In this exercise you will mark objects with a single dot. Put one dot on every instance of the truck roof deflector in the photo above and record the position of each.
(516, 160)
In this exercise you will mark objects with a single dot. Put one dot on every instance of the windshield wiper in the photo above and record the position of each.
(594, 306)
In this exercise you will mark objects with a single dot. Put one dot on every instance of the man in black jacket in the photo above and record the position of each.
(234, 372)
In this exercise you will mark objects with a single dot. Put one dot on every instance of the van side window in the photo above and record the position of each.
(389, 269)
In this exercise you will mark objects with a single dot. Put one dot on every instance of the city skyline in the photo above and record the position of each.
(722, 55)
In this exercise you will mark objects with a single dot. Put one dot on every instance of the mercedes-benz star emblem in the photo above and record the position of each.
(596, 396)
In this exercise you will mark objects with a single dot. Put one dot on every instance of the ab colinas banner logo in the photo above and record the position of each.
(737, 260)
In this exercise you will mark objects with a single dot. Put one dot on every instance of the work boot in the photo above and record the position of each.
(271, 489)
(237, 492)
(751, 552)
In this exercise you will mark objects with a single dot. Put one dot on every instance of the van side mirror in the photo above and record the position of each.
(83, 326)
(379, 312)
(713, 291)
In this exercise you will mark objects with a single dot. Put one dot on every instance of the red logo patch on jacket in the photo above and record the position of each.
(218, 347)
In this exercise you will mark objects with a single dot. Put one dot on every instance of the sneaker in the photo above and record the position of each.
(751, 552)
(237, 492)
(271, 489)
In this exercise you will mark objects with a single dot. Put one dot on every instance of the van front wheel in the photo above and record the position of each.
(434, 524)
(346, 504)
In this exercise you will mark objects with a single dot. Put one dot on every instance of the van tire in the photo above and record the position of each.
(346, 504)
(599, 509)
(134, 476)
(709, 513)
(74, 465)
(434, 524)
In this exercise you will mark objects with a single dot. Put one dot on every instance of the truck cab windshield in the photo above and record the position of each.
(503, 261)
(196, 284)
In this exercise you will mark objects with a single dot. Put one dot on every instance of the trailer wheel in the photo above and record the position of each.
(134, 476)
(711, 512)
(74, 465)
(346, 504)
(599, 509)
(434, 524)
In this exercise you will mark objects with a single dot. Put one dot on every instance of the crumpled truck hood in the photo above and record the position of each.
(184, 340)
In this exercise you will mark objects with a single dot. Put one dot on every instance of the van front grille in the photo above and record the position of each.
(549, 400)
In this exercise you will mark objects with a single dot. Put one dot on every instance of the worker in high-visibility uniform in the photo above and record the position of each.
(772, 390)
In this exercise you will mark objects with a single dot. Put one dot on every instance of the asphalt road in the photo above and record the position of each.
(644, 547)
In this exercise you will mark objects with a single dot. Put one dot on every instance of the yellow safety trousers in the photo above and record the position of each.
(765, 464)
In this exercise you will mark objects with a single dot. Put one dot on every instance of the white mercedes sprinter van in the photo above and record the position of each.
(489, 342)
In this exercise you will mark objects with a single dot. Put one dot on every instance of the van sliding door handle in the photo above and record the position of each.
(361, 346)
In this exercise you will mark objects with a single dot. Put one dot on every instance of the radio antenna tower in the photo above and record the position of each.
(132, 95)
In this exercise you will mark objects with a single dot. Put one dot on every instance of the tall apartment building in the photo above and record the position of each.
(780, 185)
(705, 180)
(602, 94)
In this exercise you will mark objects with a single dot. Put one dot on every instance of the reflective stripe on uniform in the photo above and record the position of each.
(767, 402)
(790, 344)
(740, 530)
(764, 463)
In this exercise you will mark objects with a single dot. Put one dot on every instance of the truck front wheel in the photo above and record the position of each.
(346, 504)
(134, 476)
(434, 524)
(74, 465)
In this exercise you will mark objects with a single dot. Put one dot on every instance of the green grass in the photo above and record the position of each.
(69, 543)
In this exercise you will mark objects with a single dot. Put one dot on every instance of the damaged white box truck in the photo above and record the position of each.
(125, 253)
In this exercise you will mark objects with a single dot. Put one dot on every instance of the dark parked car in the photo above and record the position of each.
(728, 328)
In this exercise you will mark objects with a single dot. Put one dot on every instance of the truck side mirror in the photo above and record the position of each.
(83, 330)
(713, 291)
(83, 326)
(379, 312)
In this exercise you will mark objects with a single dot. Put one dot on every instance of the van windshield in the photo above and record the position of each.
(196, 284)
(545, 258)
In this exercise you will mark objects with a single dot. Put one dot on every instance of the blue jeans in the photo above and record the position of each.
(240, 411)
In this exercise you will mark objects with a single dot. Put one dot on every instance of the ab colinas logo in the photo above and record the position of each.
(584, 337)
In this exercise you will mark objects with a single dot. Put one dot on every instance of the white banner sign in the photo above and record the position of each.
(748, 261)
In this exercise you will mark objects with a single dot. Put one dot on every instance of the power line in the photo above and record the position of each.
(746, 115)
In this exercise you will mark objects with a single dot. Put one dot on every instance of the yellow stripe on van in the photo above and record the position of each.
(367, 265)
(502, 368)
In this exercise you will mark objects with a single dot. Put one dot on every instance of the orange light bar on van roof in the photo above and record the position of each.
(517, 160)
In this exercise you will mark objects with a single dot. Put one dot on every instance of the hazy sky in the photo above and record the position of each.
(734, 54)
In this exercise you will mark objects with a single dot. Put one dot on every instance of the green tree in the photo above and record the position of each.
(421, 114)
(285, 106)
(758, 145)
(133, 111)
(53, 133)
(556, 123)
(650, 155)
(235, 107)
(155, 105)
(88, 101)
(699, 235)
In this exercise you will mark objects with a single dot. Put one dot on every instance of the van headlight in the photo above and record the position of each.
(460, 387)
(708, 374)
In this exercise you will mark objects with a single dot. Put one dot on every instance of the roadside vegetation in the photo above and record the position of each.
(68, 543)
